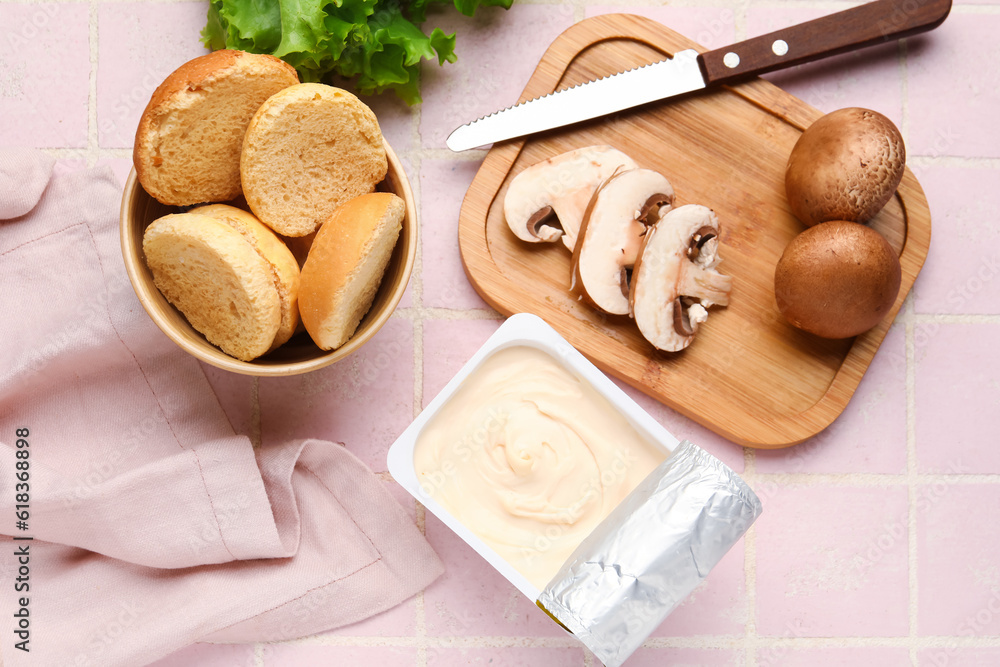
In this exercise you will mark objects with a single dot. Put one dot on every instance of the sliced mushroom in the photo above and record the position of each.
(611, 233)
(674, 281)
(547, 200)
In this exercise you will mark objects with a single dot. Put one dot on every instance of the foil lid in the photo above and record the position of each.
(650, 553)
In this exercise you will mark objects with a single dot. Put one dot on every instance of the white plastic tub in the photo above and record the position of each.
(519, 330)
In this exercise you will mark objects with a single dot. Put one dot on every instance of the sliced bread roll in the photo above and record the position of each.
(210, 273)
(309, 149)
(280, 260)
(188, 144)
(345, 266)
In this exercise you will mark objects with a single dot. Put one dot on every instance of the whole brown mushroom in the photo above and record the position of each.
(845, 166)
(837, 280)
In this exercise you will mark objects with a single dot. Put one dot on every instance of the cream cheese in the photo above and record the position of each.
(530, 458)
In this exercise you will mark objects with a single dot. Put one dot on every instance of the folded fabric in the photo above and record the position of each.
(152, 523)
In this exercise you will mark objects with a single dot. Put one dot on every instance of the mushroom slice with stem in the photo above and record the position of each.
(674, 281)
(611, 233)
(546, 201)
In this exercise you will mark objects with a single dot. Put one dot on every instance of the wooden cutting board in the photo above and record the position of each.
(748, 375)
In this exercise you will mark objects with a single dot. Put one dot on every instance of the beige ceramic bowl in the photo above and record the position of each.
(298, 355)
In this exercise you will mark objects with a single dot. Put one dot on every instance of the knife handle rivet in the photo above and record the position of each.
(731, 60)
(780, 47)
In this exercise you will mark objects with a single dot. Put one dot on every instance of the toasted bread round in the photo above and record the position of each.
(188, 144)
(284, 268)
(345, 266)
(210, 273)
(309, 149)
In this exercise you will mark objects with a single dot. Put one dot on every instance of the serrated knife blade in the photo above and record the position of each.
(593, 99)
(688, 71)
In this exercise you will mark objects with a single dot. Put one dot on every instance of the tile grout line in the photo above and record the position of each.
(911, 403)
(829, 5)
(705, 642)
(93, 139)
(751, 638)
(417, 296)
(912, 479)
(422, 314)
(255, 418)
(912, 160)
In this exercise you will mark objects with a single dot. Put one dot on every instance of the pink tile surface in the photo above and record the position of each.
(447, 346)
(321, 656)
(826, 579)
(828, 552)
(41, 104)
(443, 184)
(475, 86)
(129, 71)
(952, 656)
(364, 401)
(833, 657)
(678, 657)
(210, 655)
(956, 374)
(504, 657)
(937, 77)
(962, 269)
(472, 598)
(959, 592)
(710, 27)
(869, 78)
(869, 436)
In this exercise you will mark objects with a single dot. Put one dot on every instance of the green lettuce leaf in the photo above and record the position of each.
(377, 43)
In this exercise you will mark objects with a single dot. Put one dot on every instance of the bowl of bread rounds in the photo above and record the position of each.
(267, 227)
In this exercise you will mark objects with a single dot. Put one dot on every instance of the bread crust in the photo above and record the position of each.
(342, 243)
(284, 267)
(216, 279)
(190, 85)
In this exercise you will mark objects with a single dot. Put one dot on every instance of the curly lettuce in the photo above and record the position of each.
(378, 44)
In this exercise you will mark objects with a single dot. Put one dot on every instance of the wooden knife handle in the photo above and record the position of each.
(866, 25)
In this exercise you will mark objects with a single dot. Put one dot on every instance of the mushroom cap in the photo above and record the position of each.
(845, 166)
(837, 279)
(547, 201)
(611, 233)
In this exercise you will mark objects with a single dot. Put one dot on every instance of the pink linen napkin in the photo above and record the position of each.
(154, 524)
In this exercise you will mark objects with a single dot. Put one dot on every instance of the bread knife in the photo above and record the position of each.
(688, 71)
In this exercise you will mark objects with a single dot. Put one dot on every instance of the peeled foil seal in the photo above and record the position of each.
(648, 555)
